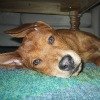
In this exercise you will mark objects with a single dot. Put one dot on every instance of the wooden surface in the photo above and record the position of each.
(47, 6)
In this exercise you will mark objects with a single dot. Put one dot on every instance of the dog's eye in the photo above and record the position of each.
(37, 62)
(51, 40)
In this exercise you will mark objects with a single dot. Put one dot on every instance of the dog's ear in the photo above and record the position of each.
(21, 31)
(10, 60)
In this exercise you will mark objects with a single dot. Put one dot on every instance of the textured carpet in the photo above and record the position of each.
(23, 84)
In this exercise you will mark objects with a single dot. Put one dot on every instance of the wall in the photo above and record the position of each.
(96, 20)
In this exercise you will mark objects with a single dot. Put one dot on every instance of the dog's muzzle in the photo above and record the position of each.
(67, 64)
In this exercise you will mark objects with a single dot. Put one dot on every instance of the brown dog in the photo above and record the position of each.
(53, 52)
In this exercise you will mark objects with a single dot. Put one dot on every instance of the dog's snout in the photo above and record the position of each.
(66, 63)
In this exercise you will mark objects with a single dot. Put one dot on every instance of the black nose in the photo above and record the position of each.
(66, 63)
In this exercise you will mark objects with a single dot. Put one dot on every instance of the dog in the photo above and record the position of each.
(59, 52)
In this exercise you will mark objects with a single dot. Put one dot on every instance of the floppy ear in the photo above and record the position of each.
(10, 60)
(21, 31)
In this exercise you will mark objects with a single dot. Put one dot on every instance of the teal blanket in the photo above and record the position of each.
(24, 84)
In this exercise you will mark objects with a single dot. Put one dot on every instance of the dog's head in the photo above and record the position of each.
(44, 50)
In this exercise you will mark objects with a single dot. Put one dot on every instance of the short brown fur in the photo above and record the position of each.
(35, 45)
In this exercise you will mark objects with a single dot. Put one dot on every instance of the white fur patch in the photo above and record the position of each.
(36, 29)
(16, 61)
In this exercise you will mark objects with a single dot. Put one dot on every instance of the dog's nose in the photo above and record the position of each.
(66, 63)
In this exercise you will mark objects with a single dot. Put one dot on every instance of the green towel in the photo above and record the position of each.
(24, 84)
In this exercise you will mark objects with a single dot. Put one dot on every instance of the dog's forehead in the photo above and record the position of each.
(43, 30)
(39, 33)
(42, 27)
(35, 40)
